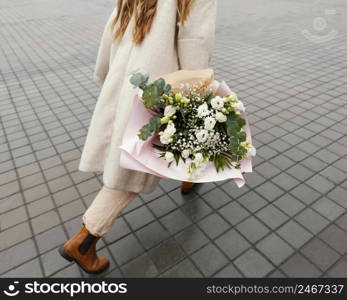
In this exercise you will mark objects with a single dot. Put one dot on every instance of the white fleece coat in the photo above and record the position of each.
(167, 48)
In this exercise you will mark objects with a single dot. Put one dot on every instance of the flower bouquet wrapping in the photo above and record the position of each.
(189, 127)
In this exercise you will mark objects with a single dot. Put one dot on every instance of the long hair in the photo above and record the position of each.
(144, 11)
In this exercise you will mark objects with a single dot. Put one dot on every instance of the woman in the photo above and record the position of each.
(154, 37)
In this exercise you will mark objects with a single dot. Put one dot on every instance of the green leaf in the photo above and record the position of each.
(139, 80)
(151, 95)
(160, 84)
(177, 156)
(167, 89)
(147, 130)
(241, 122)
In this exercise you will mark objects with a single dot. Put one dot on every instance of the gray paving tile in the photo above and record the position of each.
(274, 248)
(338, 194)
(305, 194)
(125, 249)
(50, 239)
(228, 272)
(294, 234)
(252, 229)
(40, 206)
(166, 254)
(234, 212)
(216, 198)
(30, 269)
(71, 210)
(68, 272)
(140, 267)
(213, 225)
(191, 238)
(299, 266)
(11, 202)
(45, 221)
(119, 229)
(14, 235)
(320, 254)
(272, 216)
(13, 217)
(253, 264)
(339, 269)
(320, 184)
(161, 206)
(152, 234)
(252, 201)
(328, 208)
(232, 243)
(288, 204)
(184, 269)
(53, 262)
(335, 238)
(175, 221)
(17, 255)
(209, 259)
(342, 222)
(312, 220)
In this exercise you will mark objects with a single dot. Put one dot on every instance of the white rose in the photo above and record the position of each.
(203, 110)
(198, 158)
(252, 151)
(170, 129)
(169, 111)
(240, 107)
(217, 102)
(202, 135)
(209, 123)
(221, 117)
(169, 157)
(165, 139)
(185, 153)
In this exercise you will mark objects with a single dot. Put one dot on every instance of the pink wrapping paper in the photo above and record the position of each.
(140, 155)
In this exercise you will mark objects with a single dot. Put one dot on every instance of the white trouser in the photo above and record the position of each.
(105, 208)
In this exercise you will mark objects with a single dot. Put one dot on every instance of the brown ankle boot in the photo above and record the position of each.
(81, 248)
(186, 187)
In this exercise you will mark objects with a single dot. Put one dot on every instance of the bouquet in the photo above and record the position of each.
(193, 127)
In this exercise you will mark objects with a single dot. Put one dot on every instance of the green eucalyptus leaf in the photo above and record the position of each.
(147, 130)
(139, 79)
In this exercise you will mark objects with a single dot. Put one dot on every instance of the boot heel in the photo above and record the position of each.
(63, 253)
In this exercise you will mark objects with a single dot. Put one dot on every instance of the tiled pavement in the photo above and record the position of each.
(290, 220)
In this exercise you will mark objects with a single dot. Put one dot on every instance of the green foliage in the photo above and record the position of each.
(139, 80)
(222, 161)
(147, 130)
(152, 93)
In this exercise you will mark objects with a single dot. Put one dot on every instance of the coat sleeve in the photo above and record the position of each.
(196, 38)
(104, 52)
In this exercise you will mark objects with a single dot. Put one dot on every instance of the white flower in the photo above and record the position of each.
(252, 151)
(202, 135)
(170, 130)
(209, 123)
(185, 153)
(165, 139)
(169, 157)
(140, 93)
(198, 158)
(217, 102)
(240, 107)
(203, 110)
(170, 110)
(221, 117)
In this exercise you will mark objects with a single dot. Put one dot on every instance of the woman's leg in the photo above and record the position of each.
(97, 220)
(105, 208)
